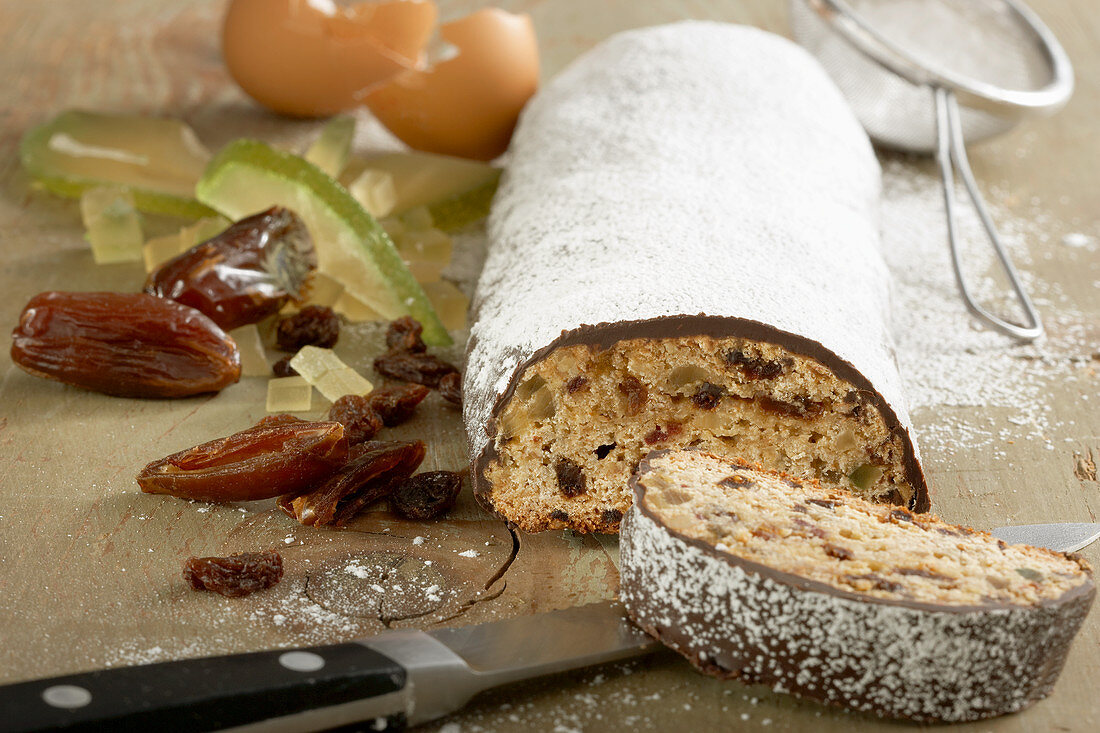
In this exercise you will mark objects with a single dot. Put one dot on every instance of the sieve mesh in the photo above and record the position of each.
(982, 40)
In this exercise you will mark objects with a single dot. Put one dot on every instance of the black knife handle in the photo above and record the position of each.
(212, 693)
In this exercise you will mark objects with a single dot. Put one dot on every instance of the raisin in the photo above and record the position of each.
(736, 481)
(902, 515)
(243, 275)
(314, 325)
(375, 470)
(877, 582)
(576, 384)
(827, 503)
(635, 392)
(922, 573)
(413, 367)
(282, 368)
(396, 403)
(267, 460)
(280, 419)
(659, 435)
(840, 553)
(559, 515)
(754, 367)
(427, 495)
(124, 344)
(450, 388)
(360, 421)
(404, 335)
(602, 451)
(708, 396)
(808, 529)
(571, 479)
(611, 516)
(236, 575)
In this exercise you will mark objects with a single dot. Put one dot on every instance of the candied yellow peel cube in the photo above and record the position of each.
(323, 290)
(449, 302)
(289, 394)
(112, 225)
(374, 190)
(251, 346)
(354, 309)
(331, 376)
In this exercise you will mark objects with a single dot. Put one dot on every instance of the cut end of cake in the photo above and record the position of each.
(569, 433)
(817, 592)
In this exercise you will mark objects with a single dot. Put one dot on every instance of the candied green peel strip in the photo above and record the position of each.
(157, 160)
(248, 176)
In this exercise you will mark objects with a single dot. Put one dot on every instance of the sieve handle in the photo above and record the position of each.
(951, 156)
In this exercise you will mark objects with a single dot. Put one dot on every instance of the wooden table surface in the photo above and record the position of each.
(90, 567)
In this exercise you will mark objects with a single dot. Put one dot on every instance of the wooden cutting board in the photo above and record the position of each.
(90, 567)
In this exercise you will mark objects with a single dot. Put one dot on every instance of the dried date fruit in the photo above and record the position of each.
(635, 393)
(427, 495)
(413, 367)
(360, 421)
(124, 344)
(281, 455)
(314, 325)
(404, 335)
(376, 468)
(571, 478)
(236, 575)
(282, 368)
(450, 388)
(396, 403)
(243, 275)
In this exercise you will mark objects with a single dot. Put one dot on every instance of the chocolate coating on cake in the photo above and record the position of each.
(878, 651)
(644, 200)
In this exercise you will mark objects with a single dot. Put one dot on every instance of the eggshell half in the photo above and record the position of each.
(468, 104)
(310, 58)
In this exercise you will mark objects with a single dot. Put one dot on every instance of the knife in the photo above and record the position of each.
(390, 681)
(1061, 537)
(393, 680)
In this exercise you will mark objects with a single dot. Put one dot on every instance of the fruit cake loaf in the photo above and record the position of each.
(756, 576)
(683, 252)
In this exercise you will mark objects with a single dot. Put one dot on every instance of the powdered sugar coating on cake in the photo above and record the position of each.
(921, 661)
(695, 168)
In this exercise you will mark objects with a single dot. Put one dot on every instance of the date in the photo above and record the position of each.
(124, 344)
(243, 275)
(281, 455)
(376, 468)
(236, 575)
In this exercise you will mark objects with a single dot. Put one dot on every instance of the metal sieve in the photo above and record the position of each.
(930, 76)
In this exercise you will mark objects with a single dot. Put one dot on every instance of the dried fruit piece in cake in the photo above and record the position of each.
(814, 591)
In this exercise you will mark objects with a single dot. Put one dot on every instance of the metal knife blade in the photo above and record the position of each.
(1060, 537)
(447, 667)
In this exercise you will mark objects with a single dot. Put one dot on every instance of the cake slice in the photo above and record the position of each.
(756, 576)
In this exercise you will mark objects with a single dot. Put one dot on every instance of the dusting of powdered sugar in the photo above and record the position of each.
(871, 656)
(948, 359)
(639, 189)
